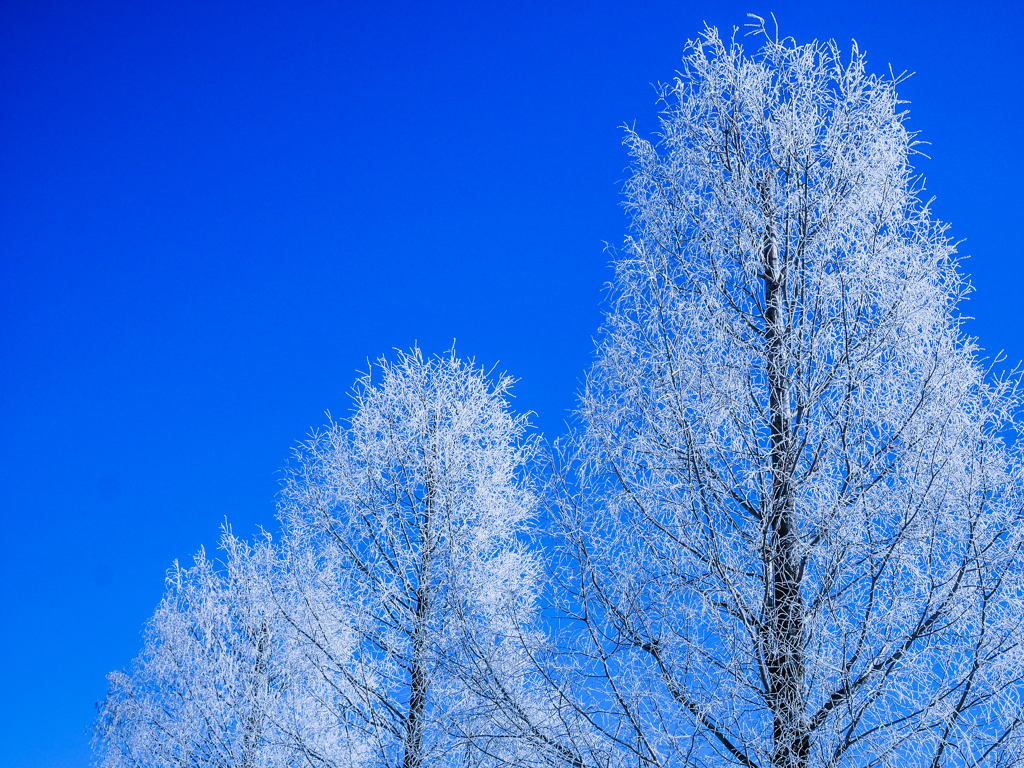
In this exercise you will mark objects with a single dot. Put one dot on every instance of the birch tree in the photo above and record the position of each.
(406, 533)
(796, 539)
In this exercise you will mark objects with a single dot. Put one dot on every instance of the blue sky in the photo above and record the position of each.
(213, 213)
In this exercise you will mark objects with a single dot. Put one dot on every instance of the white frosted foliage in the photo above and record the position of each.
(787, 533)
(217, 682)
(407, 531)
(798, 537)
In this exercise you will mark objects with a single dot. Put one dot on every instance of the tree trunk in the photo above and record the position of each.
(417, 686)
(252, 735)
(420, 674)
(783, 625)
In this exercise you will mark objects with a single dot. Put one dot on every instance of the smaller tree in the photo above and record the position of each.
(215, 684)
(405, 534)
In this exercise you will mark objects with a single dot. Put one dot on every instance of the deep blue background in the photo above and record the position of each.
(212, 213)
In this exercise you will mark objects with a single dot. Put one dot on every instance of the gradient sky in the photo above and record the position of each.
(212, 214)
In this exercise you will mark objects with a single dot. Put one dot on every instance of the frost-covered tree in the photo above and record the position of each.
(797, 539)
(215, 684)
(405, 531)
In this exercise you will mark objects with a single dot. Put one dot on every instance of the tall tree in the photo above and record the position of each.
(798, 536)
(406, 534)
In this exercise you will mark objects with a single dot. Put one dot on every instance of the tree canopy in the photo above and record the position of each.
(785, 530)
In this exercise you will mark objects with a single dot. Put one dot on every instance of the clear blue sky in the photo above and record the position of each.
(212, 213)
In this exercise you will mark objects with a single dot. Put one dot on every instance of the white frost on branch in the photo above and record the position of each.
(798, 537)
(407, 535)
(217, 682)
(787, 535)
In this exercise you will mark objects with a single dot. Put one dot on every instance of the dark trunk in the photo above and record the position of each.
(418, 685)
(253, 727)
(783, 625)
(420, 673)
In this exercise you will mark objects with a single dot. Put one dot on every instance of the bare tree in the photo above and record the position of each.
(406, 533)
(215, 684)
(794, 533)
(797, 536)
